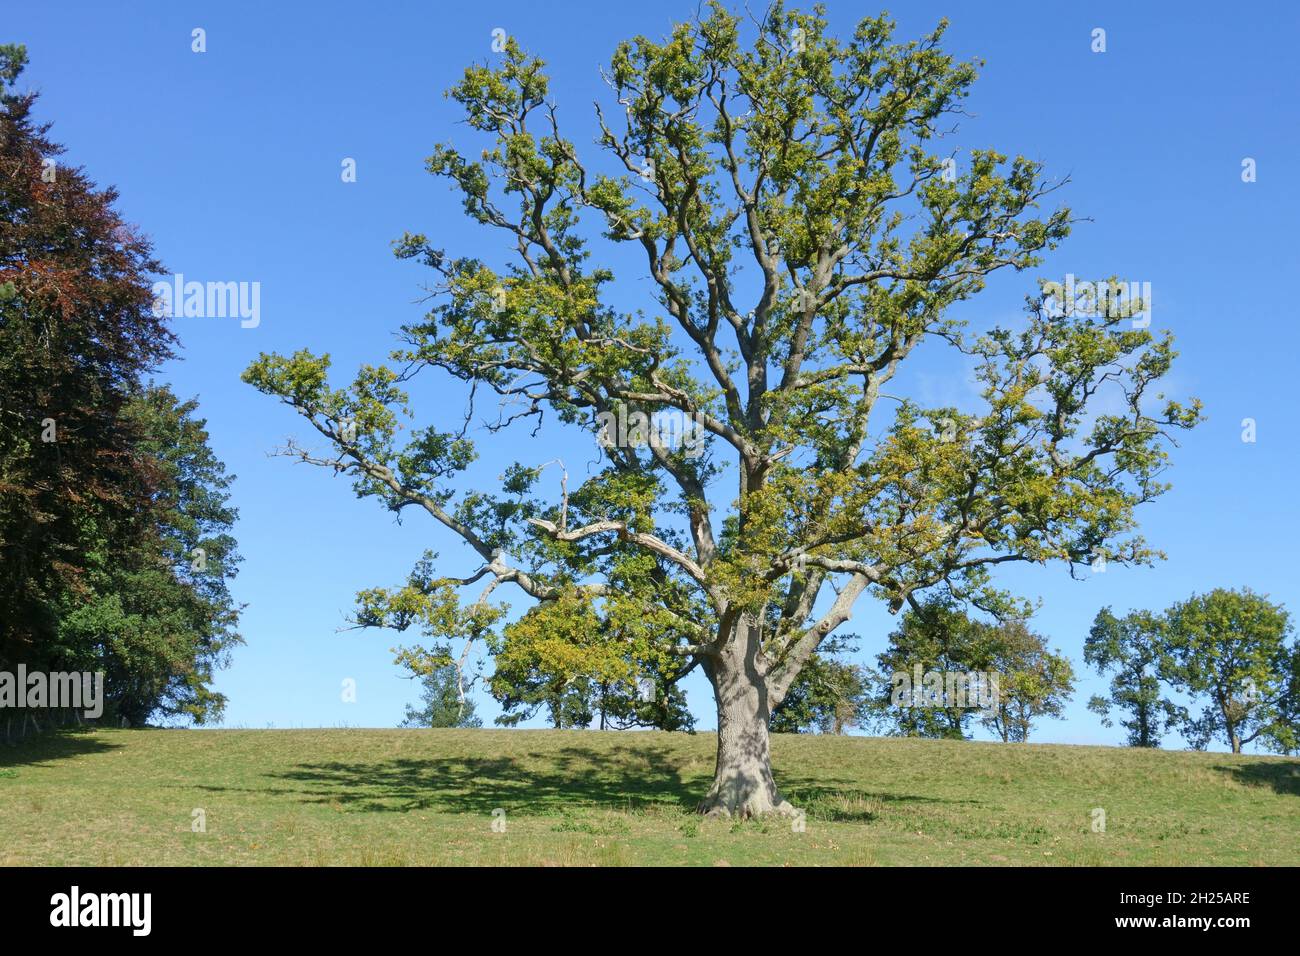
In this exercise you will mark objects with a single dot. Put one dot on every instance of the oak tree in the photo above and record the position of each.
(801, 236)
(1033, 681)
(1131, 651)
(1232, 651)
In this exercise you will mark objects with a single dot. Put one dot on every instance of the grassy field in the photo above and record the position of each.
(419, 797)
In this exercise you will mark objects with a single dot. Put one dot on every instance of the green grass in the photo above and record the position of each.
(419, 797)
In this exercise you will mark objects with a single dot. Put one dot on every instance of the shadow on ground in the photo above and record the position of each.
(540, 784)
(53, 745)
(847, 804)
(622, 777)
(1282, 777)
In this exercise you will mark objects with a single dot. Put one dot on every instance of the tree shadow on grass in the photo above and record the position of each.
(849, 804)
(546, 783)
(1283, 777)
(53, 745)
(623, 777)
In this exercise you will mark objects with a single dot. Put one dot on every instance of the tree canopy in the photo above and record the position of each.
(1129, 649)
(1232, 651)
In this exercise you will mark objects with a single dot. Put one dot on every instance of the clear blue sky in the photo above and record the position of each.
(230, 160)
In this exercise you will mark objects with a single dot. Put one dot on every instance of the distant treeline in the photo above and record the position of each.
(1219, 667)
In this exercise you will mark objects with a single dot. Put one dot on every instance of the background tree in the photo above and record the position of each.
(13, 58)
(567, 657)
(107, 486)
(1288, 712)
(658, 703)
(1232, 647)
(934, 635)
(1132, 648)
(442, 702)
(829, 696)
(802, 242)
(156, 613)
(1033, 681)
(587, 667)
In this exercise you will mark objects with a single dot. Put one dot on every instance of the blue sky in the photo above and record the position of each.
(230, 161)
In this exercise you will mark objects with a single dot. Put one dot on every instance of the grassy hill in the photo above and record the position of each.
(417, 797)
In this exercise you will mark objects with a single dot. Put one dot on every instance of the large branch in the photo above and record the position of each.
(787, 669)
(649, 542)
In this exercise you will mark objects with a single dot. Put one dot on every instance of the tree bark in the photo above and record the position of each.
(743, 785)
(1234, 739)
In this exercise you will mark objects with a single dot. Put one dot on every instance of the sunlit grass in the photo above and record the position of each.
(421, 797)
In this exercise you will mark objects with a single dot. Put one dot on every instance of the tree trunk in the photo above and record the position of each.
(742, 779)
(1234, 739)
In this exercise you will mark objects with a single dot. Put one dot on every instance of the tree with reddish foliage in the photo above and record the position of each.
(82, 497)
